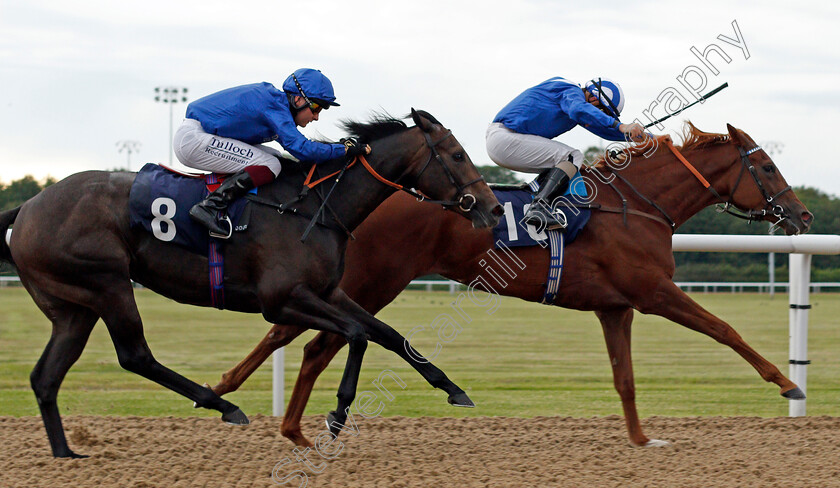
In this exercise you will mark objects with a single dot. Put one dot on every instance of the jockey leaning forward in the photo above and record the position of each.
(520, 137)
(224, 133)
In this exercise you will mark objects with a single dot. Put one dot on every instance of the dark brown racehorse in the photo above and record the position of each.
(596, 275)
(76, 255)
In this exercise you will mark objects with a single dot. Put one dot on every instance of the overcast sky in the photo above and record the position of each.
(78, 77)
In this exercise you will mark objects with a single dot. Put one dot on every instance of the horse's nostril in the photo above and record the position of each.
(807, 217)
(498, 211)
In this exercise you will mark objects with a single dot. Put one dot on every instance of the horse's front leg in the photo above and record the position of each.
(616, 324)
(672, 303)
(384, 335)
(306, 309)
(277, 337)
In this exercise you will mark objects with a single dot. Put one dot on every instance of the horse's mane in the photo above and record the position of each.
(380, 124)
(693, 138)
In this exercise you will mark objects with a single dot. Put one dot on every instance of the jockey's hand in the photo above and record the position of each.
(350, 141)
(635, 130)
(356, 150)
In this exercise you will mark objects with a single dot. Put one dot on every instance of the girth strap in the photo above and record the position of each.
(623, 211)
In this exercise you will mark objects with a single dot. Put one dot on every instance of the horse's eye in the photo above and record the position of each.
(769, 168)
(458, 156)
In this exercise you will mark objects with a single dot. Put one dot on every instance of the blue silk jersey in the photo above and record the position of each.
(256, 114)
(554, 107)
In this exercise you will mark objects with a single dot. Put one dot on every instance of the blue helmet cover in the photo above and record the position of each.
(612, 92)
(314, 84)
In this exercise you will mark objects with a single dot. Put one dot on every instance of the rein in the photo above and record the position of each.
(465, 201)
(434, 155)
(726, 205)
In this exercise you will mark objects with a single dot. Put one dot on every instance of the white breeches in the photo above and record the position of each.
(200, 150)
(526, 152)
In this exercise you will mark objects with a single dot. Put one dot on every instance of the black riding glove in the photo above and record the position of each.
(354, 147)
(350, 141)
(354, 151)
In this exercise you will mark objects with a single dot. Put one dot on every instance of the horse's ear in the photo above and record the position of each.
(733, 133)
(420, 121)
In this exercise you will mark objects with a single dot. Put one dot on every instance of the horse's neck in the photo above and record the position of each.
(360, 192)
(666, 181)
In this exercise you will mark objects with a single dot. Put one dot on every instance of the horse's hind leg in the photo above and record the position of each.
(119, 312)
(673, 304)
(317, 354)
(72, 325)
(616, 324)
(277, 337)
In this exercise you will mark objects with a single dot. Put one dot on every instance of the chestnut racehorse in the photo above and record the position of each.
(404, 239)
(76, 254)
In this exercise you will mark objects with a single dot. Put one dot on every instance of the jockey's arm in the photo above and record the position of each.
(590, 117)
(297, 144)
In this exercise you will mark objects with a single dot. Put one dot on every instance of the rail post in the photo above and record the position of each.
(278, 361)
(800, 285)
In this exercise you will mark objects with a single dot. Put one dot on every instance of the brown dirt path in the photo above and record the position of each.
(145, 452)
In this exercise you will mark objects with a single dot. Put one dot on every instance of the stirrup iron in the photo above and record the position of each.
(223, 236)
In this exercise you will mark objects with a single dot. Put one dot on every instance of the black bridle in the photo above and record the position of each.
(465, 201)
(771, 207)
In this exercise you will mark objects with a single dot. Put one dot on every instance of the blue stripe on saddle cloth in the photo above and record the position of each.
(512, 231)
(160, 202)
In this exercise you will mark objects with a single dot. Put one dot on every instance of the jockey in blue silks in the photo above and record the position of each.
(225, 132)
(520, 137)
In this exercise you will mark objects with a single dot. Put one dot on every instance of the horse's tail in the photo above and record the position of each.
(7, 218)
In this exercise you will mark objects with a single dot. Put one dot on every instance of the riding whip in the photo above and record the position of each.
(704, 97)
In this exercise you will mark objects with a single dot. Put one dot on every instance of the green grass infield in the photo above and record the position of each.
(513, 358)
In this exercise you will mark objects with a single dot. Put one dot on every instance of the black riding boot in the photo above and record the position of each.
(206, 212)
(541, 215)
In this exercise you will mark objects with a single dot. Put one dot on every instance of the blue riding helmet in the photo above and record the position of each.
(609, 93)
(312, 85)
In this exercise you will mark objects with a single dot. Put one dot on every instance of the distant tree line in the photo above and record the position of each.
(690, 266)
(755, 266)
(19, 191)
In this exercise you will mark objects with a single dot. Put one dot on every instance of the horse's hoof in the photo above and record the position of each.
(67, 453)
(333, 423)
(656, 443)
(236, 418)
(794, 394)
(297, 438)
(71, 455)
(460, 400)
